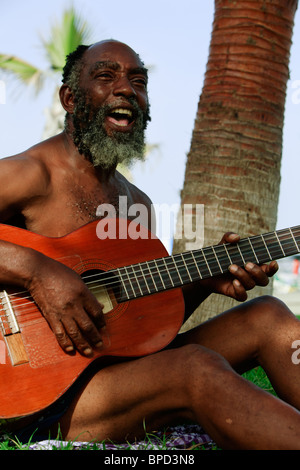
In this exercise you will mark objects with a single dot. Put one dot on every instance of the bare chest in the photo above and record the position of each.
(72, 205)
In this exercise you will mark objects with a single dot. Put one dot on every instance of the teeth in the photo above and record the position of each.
(122, 111)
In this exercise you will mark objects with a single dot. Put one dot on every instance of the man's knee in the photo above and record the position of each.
(268, 319)
(198, 365)
(270, 309)
(195, 355)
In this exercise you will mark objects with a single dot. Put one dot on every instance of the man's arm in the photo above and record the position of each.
(21, 179)
(73, 313)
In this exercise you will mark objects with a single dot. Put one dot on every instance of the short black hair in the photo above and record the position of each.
(72, 60)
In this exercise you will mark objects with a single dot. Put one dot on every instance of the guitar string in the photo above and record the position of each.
(171, 261)
(218, 246)
(134, 278)
(195, 253)
(144, 277)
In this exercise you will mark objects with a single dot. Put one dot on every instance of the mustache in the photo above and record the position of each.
(137, 112)
(103, 150)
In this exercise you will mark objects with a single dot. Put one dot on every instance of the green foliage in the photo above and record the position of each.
(64, 38)
(259, 378)
(23, 71)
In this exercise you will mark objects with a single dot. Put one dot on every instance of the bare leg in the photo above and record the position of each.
(197, 383)
(258, 332)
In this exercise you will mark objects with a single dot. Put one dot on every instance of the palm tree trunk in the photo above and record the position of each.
(233, 166)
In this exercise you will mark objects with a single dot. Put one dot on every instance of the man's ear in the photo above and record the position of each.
(66, 98)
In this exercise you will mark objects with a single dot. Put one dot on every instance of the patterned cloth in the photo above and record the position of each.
(175, 438)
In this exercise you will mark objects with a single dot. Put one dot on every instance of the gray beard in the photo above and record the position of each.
(105, 151)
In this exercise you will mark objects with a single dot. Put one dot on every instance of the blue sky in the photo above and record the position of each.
(173, 37)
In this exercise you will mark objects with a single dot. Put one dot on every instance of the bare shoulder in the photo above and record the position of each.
(145, 207)
(22, 177)
(27, 161)
(136, 194)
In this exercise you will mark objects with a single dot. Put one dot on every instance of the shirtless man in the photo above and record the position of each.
(54, 188)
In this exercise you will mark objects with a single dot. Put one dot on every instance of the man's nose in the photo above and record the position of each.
(124, 87)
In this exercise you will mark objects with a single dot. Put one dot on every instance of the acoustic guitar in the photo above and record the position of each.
(123, 273)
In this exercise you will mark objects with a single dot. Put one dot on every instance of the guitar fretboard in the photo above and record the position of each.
(174, 271)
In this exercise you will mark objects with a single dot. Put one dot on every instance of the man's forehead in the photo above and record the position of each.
(109, 64)
(113, 52)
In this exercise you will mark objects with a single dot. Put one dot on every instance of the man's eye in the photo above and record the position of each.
(105, 75)
(140, 82)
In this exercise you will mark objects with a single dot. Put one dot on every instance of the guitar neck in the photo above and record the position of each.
(174, 271)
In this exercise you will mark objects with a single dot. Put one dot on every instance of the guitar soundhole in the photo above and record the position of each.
(104, 285)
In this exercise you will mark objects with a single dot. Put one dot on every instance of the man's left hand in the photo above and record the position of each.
(241, 279)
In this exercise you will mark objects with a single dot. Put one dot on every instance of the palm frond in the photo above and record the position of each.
(24, 71)
(65, 37)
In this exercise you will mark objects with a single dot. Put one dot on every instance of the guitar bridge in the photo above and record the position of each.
(11, 331)
(8, 321)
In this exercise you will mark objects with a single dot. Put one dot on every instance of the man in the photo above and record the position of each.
(197, 377)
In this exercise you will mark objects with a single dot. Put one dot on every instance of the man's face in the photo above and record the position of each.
(111, 106)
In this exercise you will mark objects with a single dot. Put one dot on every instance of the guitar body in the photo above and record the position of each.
(34, 371)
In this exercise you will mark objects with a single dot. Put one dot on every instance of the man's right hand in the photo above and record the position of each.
(71, 310)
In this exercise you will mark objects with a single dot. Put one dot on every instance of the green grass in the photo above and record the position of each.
(256, 376)
(259, 378)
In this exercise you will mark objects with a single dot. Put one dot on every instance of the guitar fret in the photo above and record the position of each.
(294, 240)
(250, 243)
(186, 267)
(156, 275)
(146, 281)
(127, 284)
(295, 236)
(123, 284)
(160, 277)
(275, 247)
(175, 272)
(142, 279)
(136, 279)
(241, 254)
(152, 278)
(172, 271)
(259, 248)
(230, 260)
(202, 264)
(130, 280)
(266, 247)
(247, 251)
(280, 244)
(164, 274)
(223, 258)
(235, 256)
(194, 260)
(288, 242)
(206, 262)
(217, 259)
(168, 272)
(182, 269)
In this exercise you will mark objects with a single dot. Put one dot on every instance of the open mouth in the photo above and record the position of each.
(121, 117)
